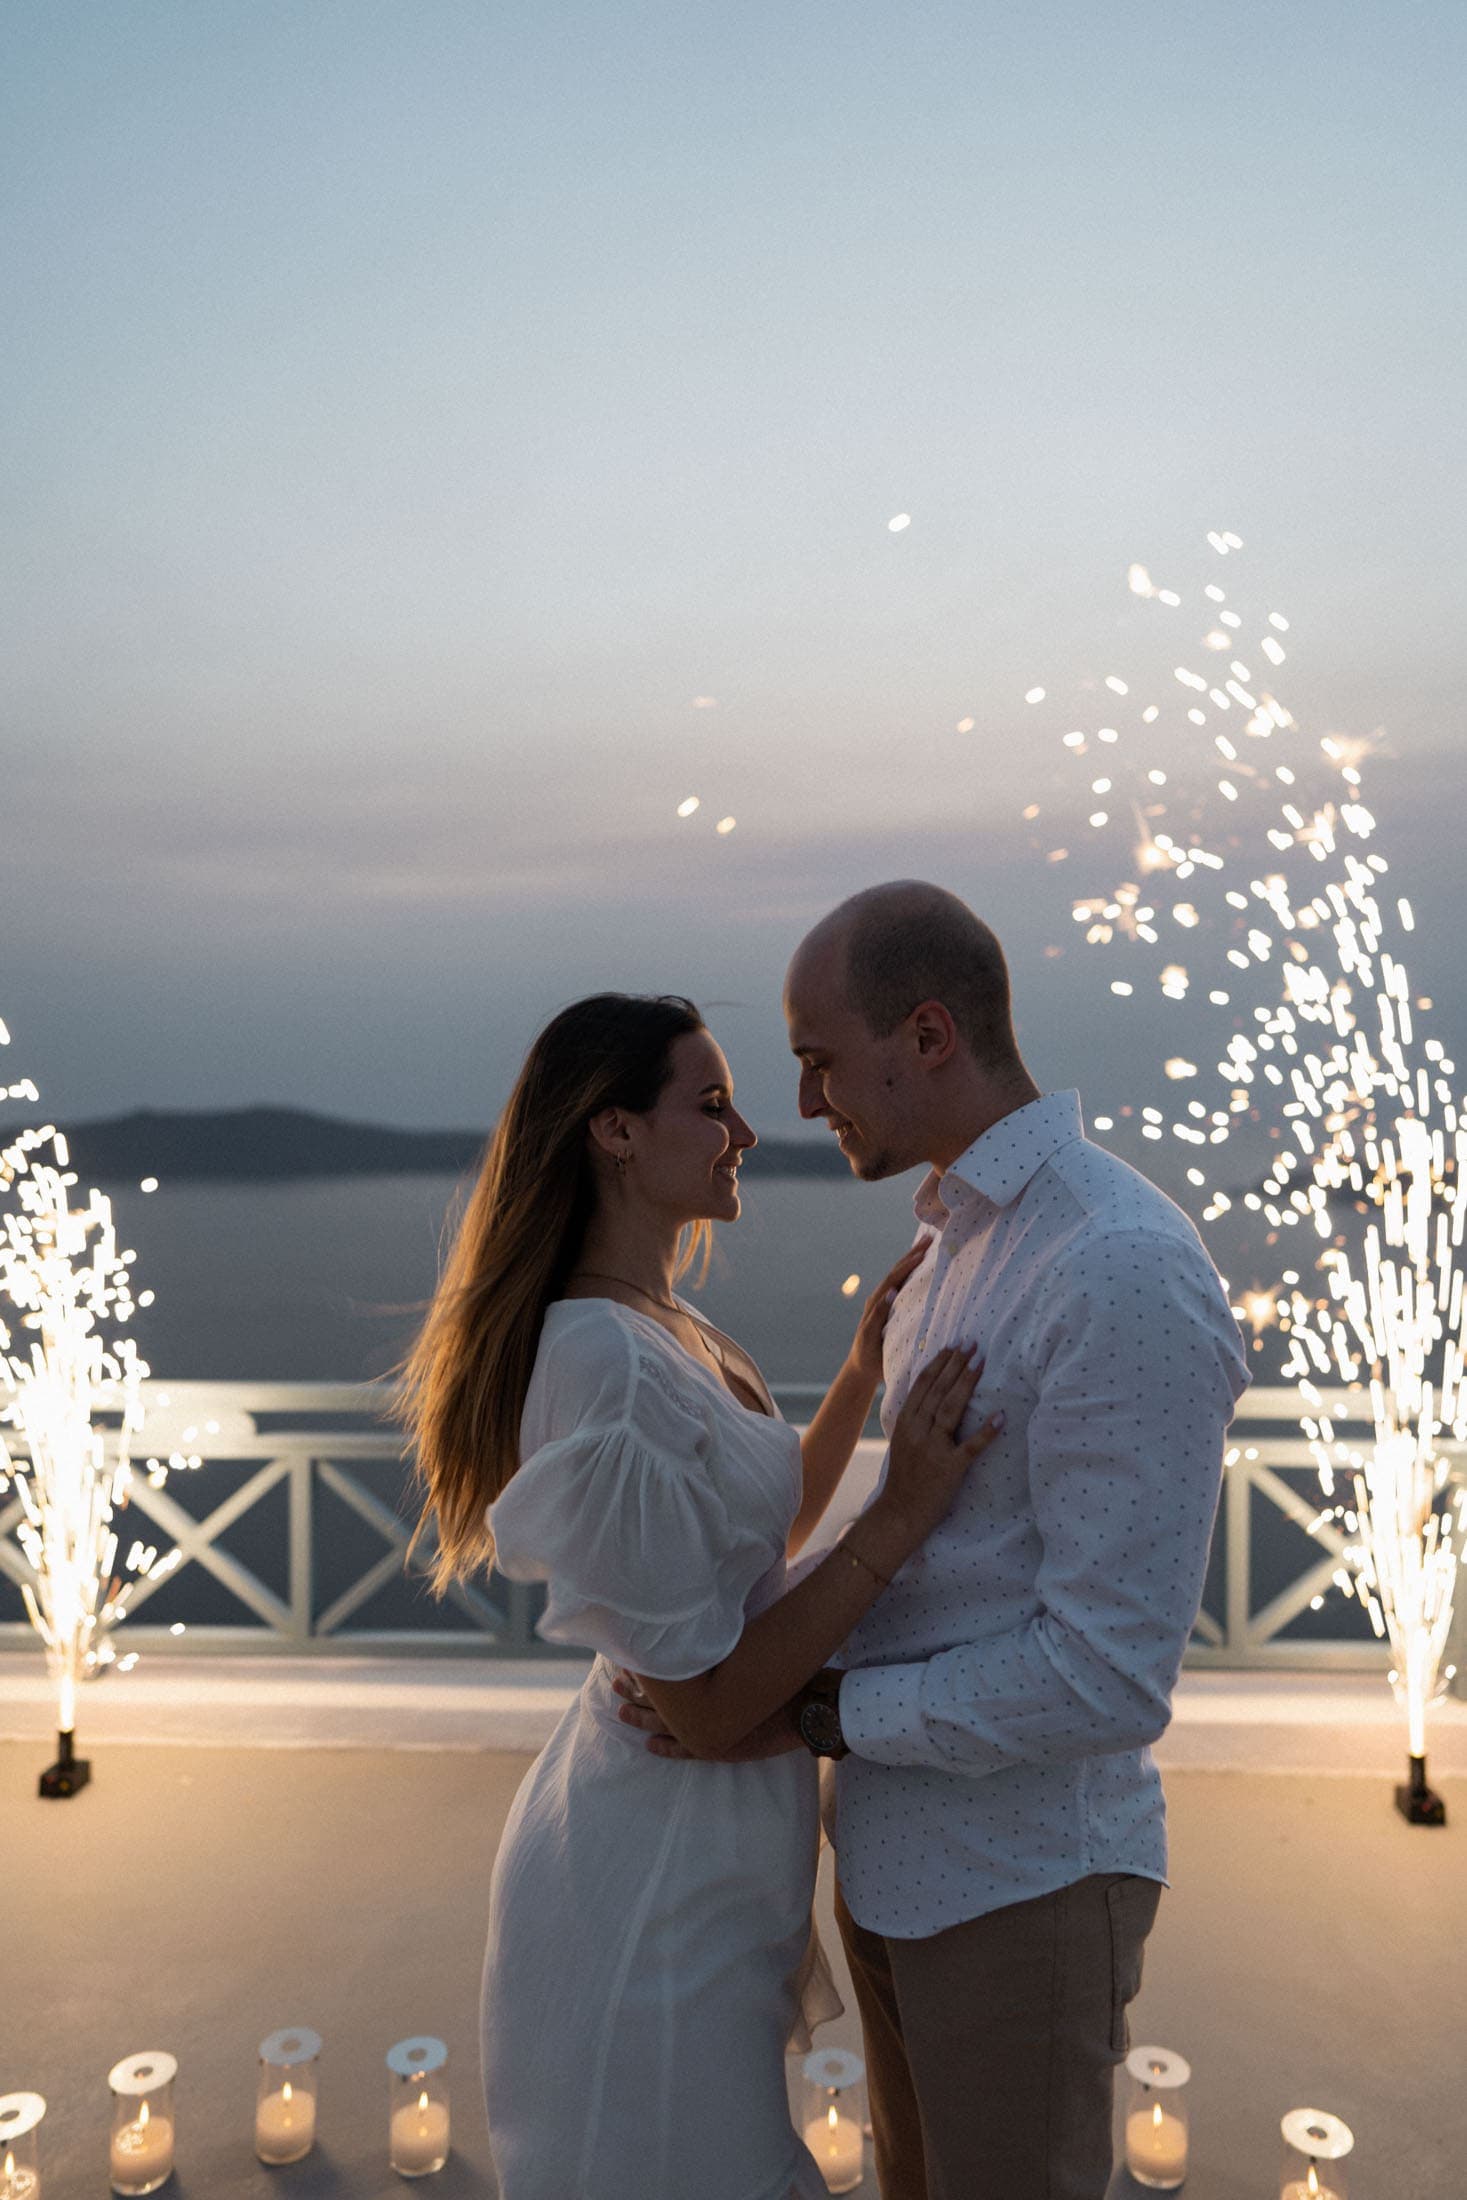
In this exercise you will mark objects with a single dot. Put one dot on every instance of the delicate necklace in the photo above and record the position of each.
(599, 1275)
(700, 1328)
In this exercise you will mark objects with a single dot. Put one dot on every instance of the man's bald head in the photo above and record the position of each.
(894, 946)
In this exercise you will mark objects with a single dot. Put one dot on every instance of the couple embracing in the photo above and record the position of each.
(985, 1654)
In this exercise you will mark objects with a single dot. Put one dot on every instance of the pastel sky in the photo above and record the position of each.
(409, 411)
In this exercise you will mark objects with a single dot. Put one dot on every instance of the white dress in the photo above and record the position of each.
(651, 1946)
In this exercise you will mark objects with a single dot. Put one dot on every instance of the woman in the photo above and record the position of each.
(650, 1918)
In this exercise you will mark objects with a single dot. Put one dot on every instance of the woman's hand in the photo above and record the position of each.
(928, 1457)
(835, 1430)
(865, 1352)
(776, 1737)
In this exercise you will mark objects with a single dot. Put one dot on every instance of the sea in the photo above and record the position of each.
(326, 1281)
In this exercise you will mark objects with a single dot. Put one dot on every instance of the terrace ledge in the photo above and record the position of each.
(1325, 1723)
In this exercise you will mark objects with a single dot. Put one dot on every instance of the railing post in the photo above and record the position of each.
(1238, 1512)
(302, 1587)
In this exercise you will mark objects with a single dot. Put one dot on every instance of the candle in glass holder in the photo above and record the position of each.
(1156, 2147)
(1156, 2117)
(1315, 2147)
(418, 2141)
(20, 2169)
(285, 2099)
(140, 2155)
(836, 2145)
(834, 2092)
(285, 2125)
(418, 2126)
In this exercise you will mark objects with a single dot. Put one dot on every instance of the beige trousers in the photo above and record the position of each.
(990, 2047)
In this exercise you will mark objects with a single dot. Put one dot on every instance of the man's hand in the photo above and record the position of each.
(774, 1738)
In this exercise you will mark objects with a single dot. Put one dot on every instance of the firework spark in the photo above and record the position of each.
(71, 1396)
(1212, 786)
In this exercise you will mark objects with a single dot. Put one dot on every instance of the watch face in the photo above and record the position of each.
(820, 1728)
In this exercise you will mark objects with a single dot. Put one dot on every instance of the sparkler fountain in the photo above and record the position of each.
(1278, 884)
(70, 1390)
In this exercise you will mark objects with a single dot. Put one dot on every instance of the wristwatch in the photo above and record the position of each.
(817, 1715)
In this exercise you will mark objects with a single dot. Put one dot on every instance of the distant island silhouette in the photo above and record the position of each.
(277, 1145)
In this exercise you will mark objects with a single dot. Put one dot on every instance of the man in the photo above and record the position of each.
(1000, 1828)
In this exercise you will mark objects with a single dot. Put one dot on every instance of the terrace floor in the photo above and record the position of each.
(198, 1895)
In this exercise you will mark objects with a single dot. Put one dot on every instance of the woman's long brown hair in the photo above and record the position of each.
(461, 1389)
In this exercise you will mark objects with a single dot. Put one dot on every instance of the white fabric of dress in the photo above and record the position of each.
(651, 1945)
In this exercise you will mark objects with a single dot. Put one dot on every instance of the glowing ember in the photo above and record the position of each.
(850, 1287)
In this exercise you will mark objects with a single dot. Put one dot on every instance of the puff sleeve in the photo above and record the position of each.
(616, 1505)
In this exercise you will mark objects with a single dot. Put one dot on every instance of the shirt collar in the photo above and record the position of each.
(1005, 1158)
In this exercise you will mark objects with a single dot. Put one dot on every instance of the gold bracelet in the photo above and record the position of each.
(851, 1552)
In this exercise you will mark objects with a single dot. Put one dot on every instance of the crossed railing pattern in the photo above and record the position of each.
(326, 1449)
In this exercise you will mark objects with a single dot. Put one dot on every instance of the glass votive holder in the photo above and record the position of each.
(833, 2115)
(1156, 2117)
(20, 2160)
(1315, 2146)
(285, 2096)
(417, 2114)
(140, 2155)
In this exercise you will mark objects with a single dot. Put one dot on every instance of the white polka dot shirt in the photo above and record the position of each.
(1003, 1692)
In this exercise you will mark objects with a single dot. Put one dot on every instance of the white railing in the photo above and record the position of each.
(293, 1537)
